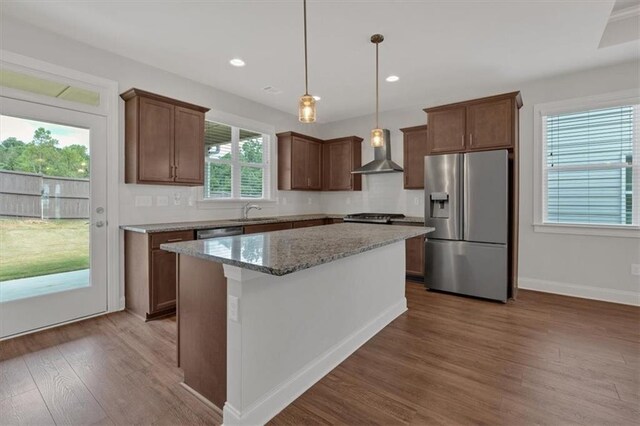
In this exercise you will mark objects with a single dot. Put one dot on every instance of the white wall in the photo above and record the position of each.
(30, 41)
(586, 266)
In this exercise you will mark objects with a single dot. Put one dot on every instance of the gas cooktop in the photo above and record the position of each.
(383, 218)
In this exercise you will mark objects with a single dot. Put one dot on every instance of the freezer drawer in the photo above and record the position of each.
(473, 269)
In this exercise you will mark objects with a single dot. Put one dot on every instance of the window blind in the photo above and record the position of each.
(588, 169)
(235, 162)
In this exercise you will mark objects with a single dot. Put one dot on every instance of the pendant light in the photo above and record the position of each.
(307, 104)
(377, 135)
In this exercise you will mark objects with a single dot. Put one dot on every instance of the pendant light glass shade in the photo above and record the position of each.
(377, 138)
(307, 109)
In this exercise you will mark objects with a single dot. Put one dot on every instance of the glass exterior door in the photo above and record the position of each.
(52, 216)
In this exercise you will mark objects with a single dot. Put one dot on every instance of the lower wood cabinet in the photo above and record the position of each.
(414, 249)
(309, 223)
(267, 227)
(150, 273)
(163, 280)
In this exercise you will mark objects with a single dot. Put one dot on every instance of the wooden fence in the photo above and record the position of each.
(45, 197)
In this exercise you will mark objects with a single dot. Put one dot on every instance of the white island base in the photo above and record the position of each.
(286, 332)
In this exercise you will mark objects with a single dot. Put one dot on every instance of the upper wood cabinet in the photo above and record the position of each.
(339, 158)
(309, 164)
(299, 162)
(475, 125)
(490, 124)
(164, 140)
(446, 131)
(415, 148)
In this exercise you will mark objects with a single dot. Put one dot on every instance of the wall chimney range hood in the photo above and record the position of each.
(382, 162)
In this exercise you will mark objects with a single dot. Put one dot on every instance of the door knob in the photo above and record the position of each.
(99, 224)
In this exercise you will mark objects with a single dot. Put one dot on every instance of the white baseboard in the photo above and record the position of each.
(585, 292)
(275, 401)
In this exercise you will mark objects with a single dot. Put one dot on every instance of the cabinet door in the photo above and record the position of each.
(163, 280)
(415, 148)
(155, 141)
(446, 132)
(189, 146)
(314, 165)
(299, 154)
(414, 248)
(338, 158)
(490, 125)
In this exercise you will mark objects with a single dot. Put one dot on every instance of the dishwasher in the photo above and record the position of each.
(205, 234)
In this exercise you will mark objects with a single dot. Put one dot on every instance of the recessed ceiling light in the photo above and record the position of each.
(316, 97)
(392, 78)
(237, 62)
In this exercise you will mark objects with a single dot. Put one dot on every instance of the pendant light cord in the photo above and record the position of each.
(377, 95)
(306, 77)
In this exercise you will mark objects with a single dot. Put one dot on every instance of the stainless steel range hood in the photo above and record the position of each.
(382, 162)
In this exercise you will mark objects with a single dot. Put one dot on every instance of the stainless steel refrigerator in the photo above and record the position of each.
(467, 201)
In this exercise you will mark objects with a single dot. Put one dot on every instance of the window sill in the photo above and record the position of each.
(595, 230)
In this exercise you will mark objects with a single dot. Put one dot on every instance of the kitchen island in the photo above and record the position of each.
(262, 317)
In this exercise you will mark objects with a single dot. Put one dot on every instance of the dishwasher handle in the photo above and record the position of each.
(203, 234)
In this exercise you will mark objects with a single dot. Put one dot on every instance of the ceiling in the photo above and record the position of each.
(435, 47)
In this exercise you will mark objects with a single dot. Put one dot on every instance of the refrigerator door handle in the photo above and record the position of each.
(465, 196)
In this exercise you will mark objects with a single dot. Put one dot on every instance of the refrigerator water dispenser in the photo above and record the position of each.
(439, 205)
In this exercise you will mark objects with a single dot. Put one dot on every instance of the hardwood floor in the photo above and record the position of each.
(448, 360)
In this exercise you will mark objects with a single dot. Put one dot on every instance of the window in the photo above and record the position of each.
(589, 165)
(236, 163)
(40, 86)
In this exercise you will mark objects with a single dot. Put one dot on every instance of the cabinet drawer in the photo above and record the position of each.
(170, 237)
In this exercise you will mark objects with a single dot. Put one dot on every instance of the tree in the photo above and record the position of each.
(251, 177)
(10, 150)
(251, 181)
(42, 155)
(43, 137)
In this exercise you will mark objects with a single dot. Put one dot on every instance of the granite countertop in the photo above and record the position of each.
(211, 224)
(284, 252)
(223, 223)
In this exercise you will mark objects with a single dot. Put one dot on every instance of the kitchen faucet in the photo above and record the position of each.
(247, 207)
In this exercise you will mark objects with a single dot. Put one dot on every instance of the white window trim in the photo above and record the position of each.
(109, 103)
(626, 97)
(269, 164)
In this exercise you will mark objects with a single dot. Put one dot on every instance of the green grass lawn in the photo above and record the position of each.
(32, 247)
